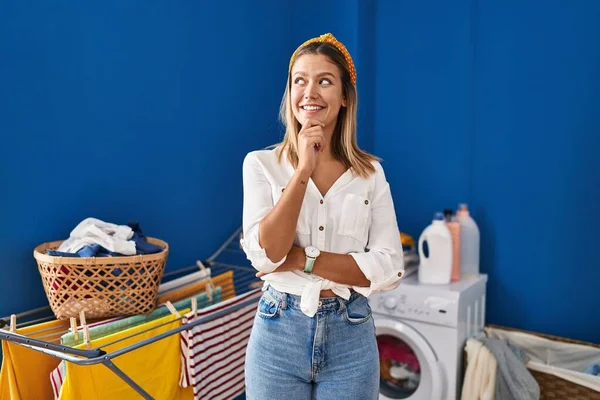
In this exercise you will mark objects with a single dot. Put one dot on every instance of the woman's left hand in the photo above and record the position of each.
(295, 261)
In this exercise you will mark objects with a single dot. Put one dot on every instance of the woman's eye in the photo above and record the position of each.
(299, 81)
(325, 81)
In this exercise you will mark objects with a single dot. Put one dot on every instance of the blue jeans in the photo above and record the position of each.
(328, 357)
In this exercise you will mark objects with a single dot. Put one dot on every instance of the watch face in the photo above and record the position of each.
(312, 251)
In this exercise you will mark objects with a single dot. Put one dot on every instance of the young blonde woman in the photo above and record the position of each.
(320, 227)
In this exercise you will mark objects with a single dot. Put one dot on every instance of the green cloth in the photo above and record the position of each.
(124, 323)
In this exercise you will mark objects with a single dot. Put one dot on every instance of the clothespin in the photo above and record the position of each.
(209, 291)
(209, 285)
(255, 285)
(74, 328)
(86, 337)
(13, 323)
(86, 330)
(172, 309)
(82, 318)
(194, 306)
(203, 268)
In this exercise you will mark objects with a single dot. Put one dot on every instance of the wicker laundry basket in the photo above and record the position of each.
(551, 386)
(101, 286)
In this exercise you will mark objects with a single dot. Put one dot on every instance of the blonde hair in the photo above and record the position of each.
(343, 142)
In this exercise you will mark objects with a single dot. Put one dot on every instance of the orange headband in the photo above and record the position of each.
(329, 38)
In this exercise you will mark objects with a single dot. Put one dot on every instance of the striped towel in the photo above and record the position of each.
(213, 353)
(57, 377)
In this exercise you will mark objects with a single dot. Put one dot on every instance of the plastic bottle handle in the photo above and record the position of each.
(421, 240)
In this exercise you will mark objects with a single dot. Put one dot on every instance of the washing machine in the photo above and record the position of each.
(421, 333)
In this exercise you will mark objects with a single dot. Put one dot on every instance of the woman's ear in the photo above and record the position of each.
(344, 101)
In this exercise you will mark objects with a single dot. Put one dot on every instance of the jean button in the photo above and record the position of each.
(320, 303)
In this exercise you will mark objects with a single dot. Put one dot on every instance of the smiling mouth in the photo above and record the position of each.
(311, 108)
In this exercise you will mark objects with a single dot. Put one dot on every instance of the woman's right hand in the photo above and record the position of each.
(311, 141)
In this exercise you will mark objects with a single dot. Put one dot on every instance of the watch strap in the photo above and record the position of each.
(309, 264)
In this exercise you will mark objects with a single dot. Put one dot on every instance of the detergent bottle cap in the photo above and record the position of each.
(448, 213)
(438, 216)
(463, 209)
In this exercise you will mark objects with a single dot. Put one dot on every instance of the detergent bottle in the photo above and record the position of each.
(454, 227)
(436, 267)
(469, 243)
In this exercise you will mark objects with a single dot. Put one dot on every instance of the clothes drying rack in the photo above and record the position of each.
(244, 281)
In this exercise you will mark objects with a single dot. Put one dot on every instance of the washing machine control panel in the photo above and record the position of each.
(417, 306)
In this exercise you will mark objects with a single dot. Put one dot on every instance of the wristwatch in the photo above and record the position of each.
(311, 255)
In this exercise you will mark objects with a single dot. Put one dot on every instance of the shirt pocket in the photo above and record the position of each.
(303, 225)
(355, 218)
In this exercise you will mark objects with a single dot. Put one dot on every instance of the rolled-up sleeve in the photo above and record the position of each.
(382, 262)
(257, 203)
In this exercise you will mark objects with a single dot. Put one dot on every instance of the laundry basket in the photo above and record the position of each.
(101, 286)
(557, 380)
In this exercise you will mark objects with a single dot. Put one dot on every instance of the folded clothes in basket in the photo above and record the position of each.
(552, 356)
(95, 238)
(593, 369)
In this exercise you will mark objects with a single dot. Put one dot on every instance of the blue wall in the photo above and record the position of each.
(495, 104)
(131, 111)
(353, 23)
(139, 112)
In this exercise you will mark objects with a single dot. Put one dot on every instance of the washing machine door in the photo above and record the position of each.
(408, 365)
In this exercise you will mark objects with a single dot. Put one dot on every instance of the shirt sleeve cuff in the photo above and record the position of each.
(380, 280)
(257, 255)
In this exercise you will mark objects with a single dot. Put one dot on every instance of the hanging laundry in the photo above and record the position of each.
(95, 238)
(184, 280)
(480, 377)
(513, 379)
(224, 280)
(161, 361)
(496, 370)
(114, 325)
(214, 353)
(18, 380)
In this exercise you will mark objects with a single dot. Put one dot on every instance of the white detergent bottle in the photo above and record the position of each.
(469, 243)
(437, 267)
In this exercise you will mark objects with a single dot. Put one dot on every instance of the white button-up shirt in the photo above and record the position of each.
(356, 217)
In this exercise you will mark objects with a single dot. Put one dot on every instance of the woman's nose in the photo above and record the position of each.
(311, 91)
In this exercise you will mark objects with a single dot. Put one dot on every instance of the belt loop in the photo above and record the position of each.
(284, 301)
